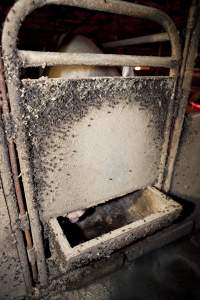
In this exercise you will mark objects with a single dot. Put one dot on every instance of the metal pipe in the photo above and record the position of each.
(14, 170)
(37, 58)
(25, 169)
(9, 194)
(20, 201)
(24, 7)
(152, 38)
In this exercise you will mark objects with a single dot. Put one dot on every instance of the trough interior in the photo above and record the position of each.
(110, 216)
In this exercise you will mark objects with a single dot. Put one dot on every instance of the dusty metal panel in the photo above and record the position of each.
(12, 282)
(151, 38)
(11, 181)
(186, 178)
(92, 140)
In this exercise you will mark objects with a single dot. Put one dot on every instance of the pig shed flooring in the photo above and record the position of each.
(169, 273)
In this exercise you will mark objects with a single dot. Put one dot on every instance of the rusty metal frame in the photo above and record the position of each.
(14, 60)
(15, 173)
(190, 53)
(9, 193)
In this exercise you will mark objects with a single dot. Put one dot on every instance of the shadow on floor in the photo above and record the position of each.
(169, 273)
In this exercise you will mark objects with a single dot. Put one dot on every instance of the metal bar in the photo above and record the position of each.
(152, 38)
(8, 189)
(14, 169)
(24, 7)
(37, 58)
(184, 85)
(16, 16)
(20, 201)
(27, 178)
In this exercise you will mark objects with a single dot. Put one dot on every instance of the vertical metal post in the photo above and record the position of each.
(184, 84)
(15, 174)
(9, 193)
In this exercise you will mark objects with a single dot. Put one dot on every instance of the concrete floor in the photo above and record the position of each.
(170, 273)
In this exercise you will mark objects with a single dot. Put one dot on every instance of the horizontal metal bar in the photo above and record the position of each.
(152, 38)
(24, 7)
(37, 58)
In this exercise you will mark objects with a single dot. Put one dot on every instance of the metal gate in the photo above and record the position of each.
(82, 142)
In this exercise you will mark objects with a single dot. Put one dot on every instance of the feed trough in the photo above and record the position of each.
(111, 226)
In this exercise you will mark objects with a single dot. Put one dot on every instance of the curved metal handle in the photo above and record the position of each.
(31, 58)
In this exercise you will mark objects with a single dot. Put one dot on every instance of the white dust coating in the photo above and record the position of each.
(109, 154)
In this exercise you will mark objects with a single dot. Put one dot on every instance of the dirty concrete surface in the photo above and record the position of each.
(169, 273)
